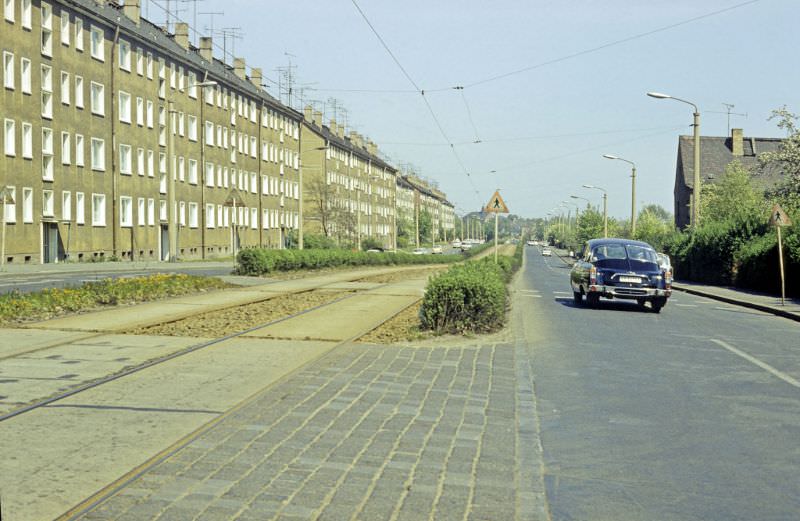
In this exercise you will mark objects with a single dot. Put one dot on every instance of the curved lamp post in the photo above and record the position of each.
(605, 207)
(633, 190)
(695, 217)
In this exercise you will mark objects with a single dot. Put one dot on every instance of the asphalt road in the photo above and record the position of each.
(691, 414)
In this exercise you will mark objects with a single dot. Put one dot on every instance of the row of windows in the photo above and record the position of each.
(217, 216)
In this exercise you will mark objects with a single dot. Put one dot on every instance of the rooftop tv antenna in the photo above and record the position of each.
(729, 112)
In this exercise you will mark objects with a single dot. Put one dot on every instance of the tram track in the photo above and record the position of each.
(159, 360)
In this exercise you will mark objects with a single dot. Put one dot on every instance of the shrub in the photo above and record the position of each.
(468, 297)
(259, 261)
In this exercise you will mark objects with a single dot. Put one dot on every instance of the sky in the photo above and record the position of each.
(547, 86)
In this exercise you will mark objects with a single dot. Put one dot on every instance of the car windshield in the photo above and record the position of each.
(619, 255)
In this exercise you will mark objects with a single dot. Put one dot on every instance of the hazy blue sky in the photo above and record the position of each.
(549, 86)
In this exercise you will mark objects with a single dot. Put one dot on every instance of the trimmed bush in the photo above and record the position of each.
(468, 297)
(258, 261)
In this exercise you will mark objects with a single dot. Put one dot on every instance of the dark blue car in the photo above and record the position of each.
(620, 268)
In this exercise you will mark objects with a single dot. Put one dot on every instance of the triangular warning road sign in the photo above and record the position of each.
(496, 204)
(778, 217)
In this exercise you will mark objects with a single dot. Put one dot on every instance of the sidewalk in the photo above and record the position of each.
(736, 296)
(94, 267)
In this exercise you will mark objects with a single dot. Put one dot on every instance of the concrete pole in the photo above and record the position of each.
(605, 214)
(696, 187)
(633, 202)
(172, 229)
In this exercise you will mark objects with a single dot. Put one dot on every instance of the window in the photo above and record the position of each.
(96, 43)
(162, 210)
(27, 140)
(125, 159)
(210, 175)
(181, 169)
(209, 216)
(48, 205)
(79, 161)
(172, 77)
(78, 34)
(8, 10)
(79, 92)
(27, 205)
(209, 133)
(192, 121)
(66, 206)
(150, 164)
(193, 171)
(80, 216)
(182, 213)
(192, 85)
(124, 55)
(98, 98)
(140, 212)
(66, 157)
(125, 211)
(140, 161)
(192, 215)
(98, 210)
(149, 66)
(10, 136)
(47, 92)
(47, 29)
(25, 75)
(139, 61)
(124, 107)
(140, 111)
(10, 209)
(65, 84)
(149, 114)
(64, 28)
(47, 154)
(151, 211)
(98, 154)
(27, 14)
(8, 70)
(181, 126)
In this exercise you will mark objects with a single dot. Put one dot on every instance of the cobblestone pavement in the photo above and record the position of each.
(368, 432)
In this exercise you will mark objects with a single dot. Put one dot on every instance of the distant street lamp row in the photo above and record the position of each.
(695, 203)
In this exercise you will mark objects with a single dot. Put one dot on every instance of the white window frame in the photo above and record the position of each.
(79, 150)
(65, 28)
(78, 33)
(10, 137)
(25, 75)
(48, 203)
(66, 205)
(97, 99)
(10, 209)
(98, 151)
(125, 159)
(98, 209)
(125, 211)
(66, 156)
(124, 55)
(125, 107)
(27, 205)
(80, 208)
(27, 140)
(97, 41)
(8, 70)
(66, 80)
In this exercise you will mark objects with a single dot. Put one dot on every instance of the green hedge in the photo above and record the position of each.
(470, 297)
(259, 261)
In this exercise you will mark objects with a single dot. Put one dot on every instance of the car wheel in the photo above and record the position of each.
(641, 302)
(658, 303)
(577, 298)
(593, 299)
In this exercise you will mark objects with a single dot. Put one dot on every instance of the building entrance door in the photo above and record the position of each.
(50, 242)
(164, 243)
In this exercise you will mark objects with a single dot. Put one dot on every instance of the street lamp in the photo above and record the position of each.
(605, 208)
(633, 190)
(695, 217)
(172, 229)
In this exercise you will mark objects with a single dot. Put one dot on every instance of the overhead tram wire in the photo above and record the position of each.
(422, 93)
(469, 114)
(610, 44)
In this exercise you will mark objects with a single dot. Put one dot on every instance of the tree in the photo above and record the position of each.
(734, 197)
(786, 159)
(425, 226)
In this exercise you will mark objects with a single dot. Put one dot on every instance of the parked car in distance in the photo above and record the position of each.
(436, 250)
(466, 246)
(456, 244)
(419, 251)
(620, 268)
(547, 252)
(532, 243)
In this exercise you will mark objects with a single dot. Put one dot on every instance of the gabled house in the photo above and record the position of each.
(715, 154)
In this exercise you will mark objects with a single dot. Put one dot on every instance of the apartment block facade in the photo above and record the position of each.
(124, 141)
(99, 108)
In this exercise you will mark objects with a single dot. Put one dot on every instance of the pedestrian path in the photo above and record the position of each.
(789, 308)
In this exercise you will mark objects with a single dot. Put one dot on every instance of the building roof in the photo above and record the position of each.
(156, 36)
(717, 152)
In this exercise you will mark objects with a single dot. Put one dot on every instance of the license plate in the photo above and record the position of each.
(635, 280)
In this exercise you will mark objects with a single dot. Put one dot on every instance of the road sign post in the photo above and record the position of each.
(496, 205)
(779, 219)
